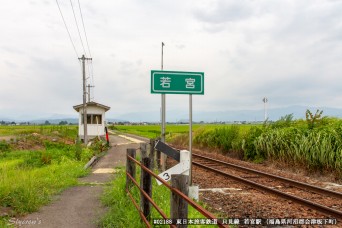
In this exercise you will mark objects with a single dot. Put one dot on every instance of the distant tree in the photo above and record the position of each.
(47, 122)
(314, 119)
(63, 122)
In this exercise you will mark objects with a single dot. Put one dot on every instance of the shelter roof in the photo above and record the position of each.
(91, 104)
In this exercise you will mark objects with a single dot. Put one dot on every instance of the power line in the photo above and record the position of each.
(90, 69)
(90, 73)
(90, 66)
(67, 28)
(79, 6)
(72, 6)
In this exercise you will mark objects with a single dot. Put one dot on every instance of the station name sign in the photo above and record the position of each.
(177, 82)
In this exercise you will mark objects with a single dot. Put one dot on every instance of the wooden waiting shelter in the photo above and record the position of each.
(95, 119)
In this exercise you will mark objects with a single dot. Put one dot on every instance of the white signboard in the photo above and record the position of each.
(181, 168)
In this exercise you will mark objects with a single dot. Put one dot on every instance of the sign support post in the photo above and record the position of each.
(178, 82)
(163, 115)
(190, 137)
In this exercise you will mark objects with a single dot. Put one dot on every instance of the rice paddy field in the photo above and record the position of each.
(67, 131)
(153, 131)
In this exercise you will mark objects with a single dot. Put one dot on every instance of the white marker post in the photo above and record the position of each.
(181, 168)
(193, 189)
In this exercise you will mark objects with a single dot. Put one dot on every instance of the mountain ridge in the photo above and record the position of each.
(206, 116)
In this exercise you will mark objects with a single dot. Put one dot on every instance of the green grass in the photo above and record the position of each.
(28, 179)
(65, 131)
(31, 178)
(122, 212)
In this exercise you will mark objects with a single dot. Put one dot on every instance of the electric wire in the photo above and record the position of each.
(73, 44)
(85, 33)
(73, 11)
(90, 66)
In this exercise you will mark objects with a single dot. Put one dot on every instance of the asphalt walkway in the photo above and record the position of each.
(80, 206)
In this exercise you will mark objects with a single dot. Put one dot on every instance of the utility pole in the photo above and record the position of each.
(89, 86)
(85, 139)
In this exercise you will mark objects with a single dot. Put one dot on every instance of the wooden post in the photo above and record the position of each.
(152, 153)
(143, 150)
(179, 207)
(146, 185)
(130, 167)
(158, 160)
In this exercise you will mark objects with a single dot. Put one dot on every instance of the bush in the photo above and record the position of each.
(4, 146)
(98, 146)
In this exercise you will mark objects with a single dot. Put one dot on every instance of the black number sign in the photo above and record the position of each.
(166, 176)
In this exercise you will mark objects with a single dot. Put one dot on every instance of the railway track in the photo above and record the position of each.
(319, 199)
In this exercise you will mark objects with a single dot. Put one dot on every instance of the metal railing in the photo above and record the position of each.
(146, 196)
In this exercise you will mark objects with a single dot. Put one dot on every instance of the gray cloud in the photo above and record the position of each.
(180, 46)
(289, 51)
(222, 11)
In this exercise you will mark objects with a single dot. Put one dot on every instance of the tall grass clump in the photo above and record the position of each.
(248, 144)
(315, 146)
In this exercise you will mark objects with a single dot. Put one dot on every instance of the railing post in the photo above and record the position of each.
(130, 167)
(146, 185)
(143, 150)
(152, 153)
(179, 207)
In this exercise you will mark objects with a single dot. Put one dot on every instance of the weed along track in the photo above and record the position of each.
(319, 199)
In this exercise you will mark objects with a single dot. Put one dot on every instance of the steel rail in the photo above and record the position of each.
(174, 190)
(317, 207)
(148, 198)
(293, 182)
(137, 207)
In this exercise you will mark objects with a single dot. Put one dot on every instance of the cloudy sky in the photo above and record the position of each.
(287, 50)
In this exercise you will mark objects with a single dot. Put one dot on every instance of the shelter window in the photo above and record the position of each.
(93, 119)
(96, 119)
